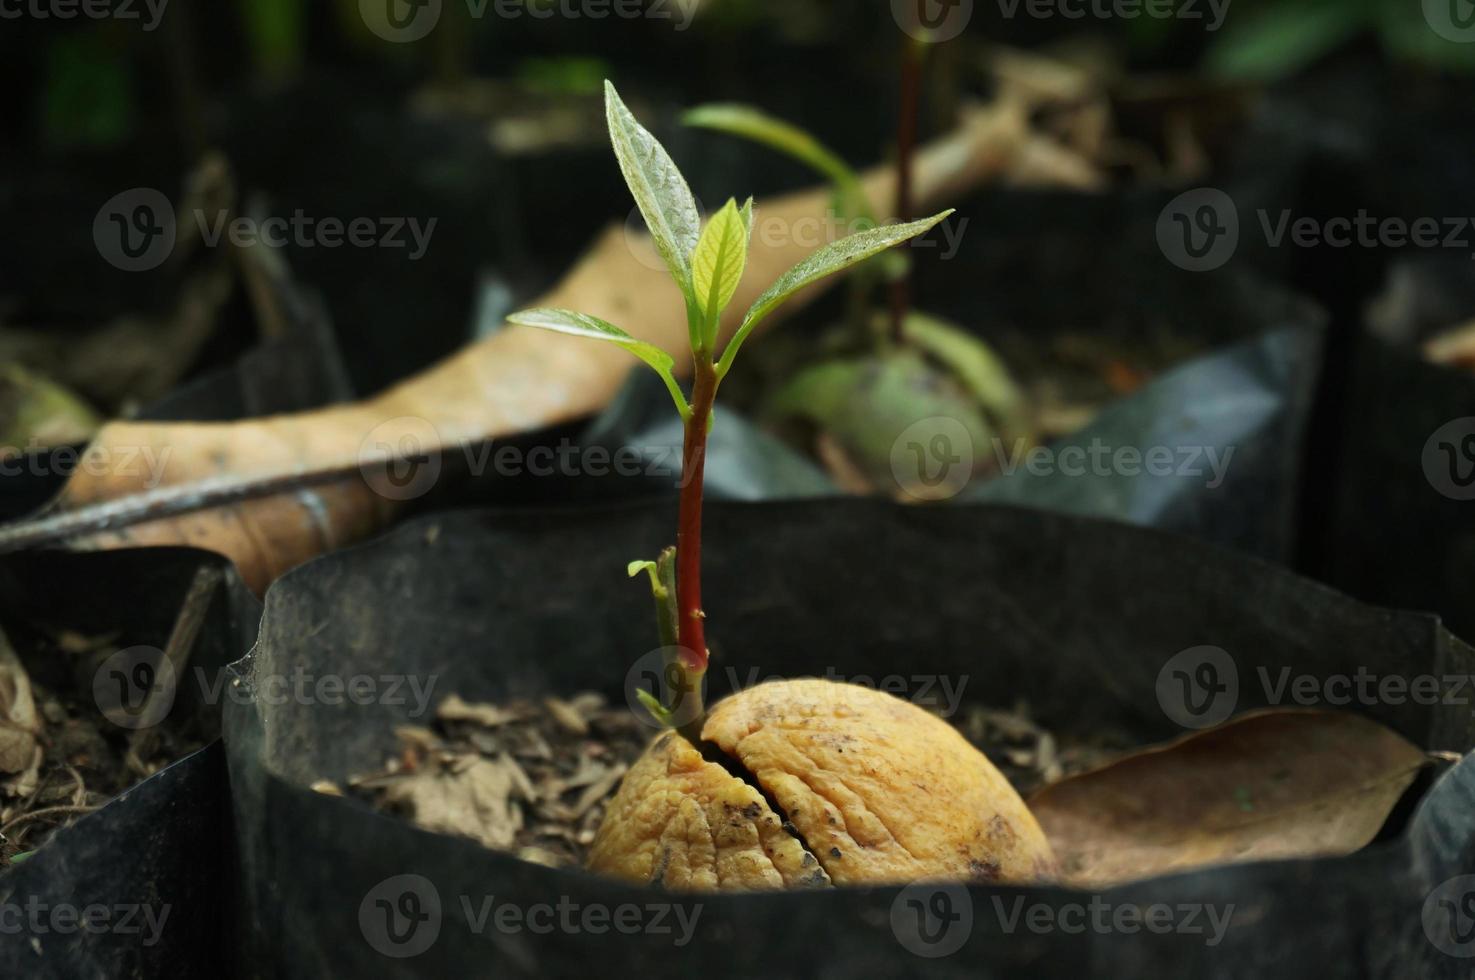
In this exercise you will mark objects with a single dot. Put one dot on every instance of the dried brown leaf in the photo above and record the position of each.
(1271, 784)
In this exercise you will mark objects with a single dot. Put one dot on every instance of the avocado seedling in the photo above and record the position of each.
(791, 783)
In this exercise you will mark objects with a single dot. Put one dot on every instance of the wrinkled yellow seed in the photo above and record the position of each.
(875, 788)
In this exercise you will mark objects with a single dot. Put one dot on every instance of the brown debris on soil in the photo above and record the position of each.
(528, 777)
(78, 759)
(534, 778)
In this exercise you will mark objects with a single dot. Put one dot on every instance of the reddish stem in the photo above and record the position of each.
(691, 625)
(906, 147)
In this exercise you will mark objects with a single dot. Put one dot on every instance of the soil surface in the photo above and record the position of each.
(534, 778)
(60, 756)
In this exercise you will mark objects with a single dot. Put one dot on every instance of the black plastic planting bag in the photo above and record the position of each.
(138, 888)
(1401, 528)
(1210, 449)
(1076, 616)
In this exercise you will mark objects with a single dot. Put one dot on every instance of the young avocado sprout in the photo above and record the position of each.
(707, 264)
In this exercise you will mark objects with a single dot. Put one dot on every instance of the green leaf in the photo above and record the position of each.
(827, 261)
(658, 188)
(972, 362)
(717, 265)
(649, 567)
(584, 325)
(657, 710)
(662, 574)
(1406, 37)
(754, 124)
(1279, 41)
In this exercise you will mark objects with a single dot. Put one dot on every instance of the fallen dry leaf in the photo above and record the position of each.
(454, 708)
(1454, 347)
(1270, 784)
(19, 750)
(469, 796)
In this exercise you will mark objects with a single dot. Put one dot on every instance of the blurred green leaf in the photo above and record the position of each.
(274, 30)
(1273, 42)
(754, 124)
(88, 91)
(972, 362)
(866, 404)
(1407, 36)
(563, 76)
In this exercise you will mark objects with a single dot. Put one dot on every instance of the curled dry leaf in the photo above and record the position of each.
(20, 753)
(1455, 347)
(466, 795)
(1271, 784)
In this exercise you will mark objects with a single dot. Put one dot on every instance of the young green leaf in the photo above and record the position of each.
(756, 125)
(659, 189)
(717, 266)
(584, 325)
(827, 261)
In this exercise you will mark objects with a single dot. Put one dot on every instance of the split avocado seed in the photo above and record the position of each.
(818, 783)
